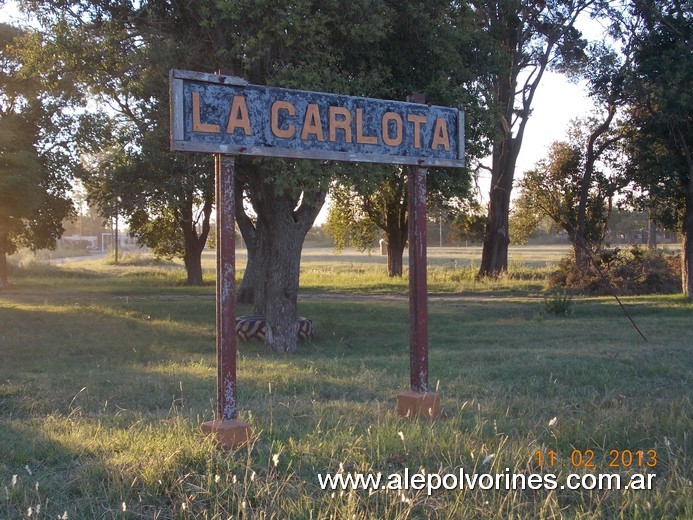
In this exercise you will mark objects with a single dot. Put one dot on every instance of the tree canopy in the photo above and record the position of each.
(529, 37)
(118, 56)
(488, 56)
(35, 161)
(554, 189)
(660, 141)
(438, 51)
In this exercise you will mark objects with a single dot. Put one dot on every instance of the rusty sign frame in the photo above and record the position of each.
(342, 128)
(187, 121)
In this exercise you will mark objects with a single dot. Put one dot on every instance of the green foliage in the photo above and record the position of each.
(20, 176)
(558, 302)
(425, 49)
(120, 57)
(35, 164)
(554, 190)
(526, 38)
(373, 196)
(469, 223)
(660, 141)
(661, 138)
(159, 233)
(347, 223)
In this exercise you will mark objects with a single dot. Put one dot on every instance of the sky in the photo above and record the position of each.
(556, 103)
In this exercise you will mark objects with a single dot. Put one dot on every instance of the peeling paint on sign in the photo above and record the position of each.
(213, 114)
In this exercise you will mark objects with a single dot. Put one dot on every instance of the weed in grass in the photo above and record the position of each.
(558, 302)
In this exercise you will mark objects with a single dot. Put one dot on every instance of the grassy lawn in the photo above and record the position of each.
(107, 372)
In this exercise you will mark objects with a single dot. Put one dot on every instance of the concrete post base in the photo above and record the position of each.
(229, 434)
(414, 404)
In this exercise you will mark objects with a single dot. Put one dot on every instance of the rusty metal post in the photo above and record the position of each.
(226, 429)
(226, 288)
(225, 170)
(418, 288)
(418, 401)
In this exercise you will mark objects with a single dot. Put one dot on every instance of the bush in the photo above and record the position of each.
(630, 272)
(558, 302)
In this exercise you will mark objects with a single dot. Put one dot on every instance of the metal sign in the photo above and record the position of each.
(226, 115)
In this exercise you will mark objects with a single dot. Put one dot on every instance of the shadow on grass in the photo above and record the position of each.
(103, 399)
(142, 355)
(149, 357)
(40, 470)
(135, 275)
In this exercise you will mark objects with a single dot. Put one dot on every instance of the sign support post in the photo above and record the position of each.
(227, 430)
(418, 401)
(418, 304)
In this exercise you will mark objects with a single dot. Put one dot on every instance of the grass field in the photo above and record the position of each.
(107, 372)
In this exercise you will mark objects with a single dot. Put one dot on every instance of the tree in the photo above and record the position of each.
(170, 215)
(391, 52)
(607, 75)
(119, 56)
(347, 223)
(121, 52)
(33, 165)
(468, 223)
(530, 36)
(368, 199)
(556, 189)
(286, 197)
(316, 45)
(570, 187)
(660, 144)
(434, 49)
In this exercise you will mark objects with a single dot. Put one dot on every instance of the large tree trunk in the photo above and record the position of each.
(3, 261)
(396, 242)
(193, 264)
(283, 268)
(494, 255)
(687, 251)
(281, 228)
(513, 31)
(287, 230)
(255, 269)
(193, 241)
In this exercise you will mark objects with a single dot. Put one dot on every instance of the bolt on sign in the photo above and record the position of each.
(222, 114)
